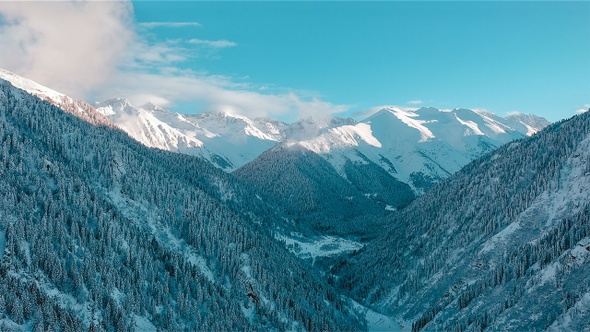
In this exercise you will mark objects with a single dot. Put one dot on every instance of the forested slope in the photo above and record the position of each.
(502, 244)
(313, 195)
(98, 232)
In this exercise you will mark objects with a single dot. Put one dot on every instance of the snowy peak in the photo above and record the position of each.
(152, 107)
(77, 108)
(416, 146)
(404, 125)
(32, 87)
(528, 124)
(227, 140)
(237, 126)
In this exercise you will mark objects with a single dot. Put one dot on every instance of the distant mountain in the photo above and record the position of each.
(417, 147)
(527, 123)
(226, 140)
(100, 233)
(503, 244)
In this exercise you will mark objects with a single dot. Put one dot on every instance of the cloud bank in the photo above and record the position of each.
(68, 46)
(95, 49)
(151, 25)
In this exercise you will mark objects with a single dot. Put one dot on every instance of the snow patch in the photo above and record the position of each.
(390, 208)
(323, 246)
(501, 237)
(472, 125)
(407, 118)
(142, 324)
(548, 273)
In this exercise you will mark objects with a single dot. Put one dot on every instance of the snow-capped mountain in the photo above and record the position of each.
(527, 123)
(418, 147)
(227, 140)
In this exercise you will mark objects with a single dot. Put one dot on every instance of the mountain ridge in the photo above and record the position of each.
(418, 147)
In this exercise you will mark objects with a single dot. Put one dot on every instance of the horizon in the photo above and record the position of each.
(290, 60)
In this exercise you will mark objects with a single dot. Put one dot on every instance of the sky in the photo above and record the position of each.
(289, 60)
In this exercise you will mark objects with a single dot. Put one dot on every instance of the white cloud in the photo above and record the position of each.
(213, 43)
(69, 46)
(584, 109)
(414, 102)
(94, 49)
(214, 93)
(150, 25)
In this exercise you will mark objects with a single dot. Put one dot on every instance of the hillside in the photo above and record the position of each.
(315, 197)
(502, 244)
(98, 232)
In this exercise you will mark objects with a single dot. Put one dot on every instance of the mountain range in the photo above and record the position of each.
(116, 217)
(416, 146)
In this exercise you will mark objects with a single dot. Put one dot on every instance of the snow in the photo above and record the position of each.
(379, 322)
(390, 208)
(427, 141)
(148, 217)
(407, 117)
(342, 137)
(249, 312)
(501, 237)
(142, 324)
(548, 273)
(322, 246)
(435, 143)
(581, 251)
(472, 125)
(32, 87)
(580, 308)
(227, 140)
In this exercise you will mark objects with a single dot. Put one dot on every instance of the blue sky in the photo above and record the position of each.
(293, 59)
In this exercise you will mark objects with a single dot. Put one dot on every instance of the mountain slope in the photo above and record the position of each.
(314, 195)
(76, 107)
(502, 244)
(101, 233)
(527, 123)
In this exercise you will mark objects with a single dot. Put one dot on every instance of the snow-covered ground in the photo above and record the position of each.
(321, 246)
